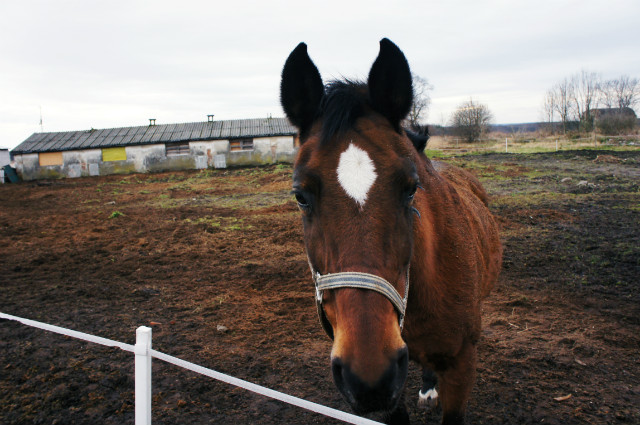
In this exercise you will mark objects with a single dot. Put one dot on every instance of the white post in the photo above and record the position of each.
(556, 145)
(506, 144)
(143, 375)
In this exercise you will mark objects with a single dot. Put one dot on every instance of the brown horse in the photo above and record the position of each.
(402, 249)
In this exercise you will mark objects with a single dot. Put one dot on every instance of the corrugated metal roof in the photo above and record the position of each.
(162, 133)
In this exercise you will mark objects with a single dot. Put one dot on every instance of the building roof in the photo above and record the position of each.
(151, 134)
(606, 112)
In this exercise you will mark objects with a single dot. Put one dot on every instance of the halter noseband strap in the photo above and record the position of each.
(359, 281)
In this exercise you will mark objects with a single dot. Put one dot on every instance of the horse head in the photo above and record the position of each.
(355, 178)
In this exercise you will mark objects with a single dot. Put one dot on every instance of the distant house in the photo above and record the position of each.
(155, 148)
(614, 121)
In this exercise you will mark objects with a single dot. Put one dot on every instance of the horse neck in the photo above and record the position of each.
(431, 233)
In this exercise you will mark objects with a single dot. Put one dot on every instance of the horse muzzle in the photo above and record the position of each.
(383, 395)
(382, 389)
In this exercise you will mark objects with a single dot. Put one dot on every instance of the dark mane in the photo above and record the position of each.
(342, 104)
(345, 101)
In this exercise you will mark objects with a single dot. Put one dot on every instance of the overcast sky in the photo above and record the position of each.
(118, 63)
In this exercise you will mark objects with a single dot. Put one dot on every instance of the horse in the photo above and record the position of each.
(402, 249)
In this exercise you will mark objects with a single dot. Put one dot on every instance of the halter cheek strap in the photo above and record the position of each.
(359, 281)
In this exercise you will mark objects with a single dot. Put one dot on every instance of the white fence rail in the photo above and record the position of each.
(143, 355)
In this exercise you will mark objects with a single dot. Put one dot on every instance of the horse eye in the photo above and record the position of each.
(303, 203)
(412, 192)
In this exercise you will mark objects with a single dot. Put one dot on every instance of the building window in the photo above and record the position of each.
(176, 149)
(236, 145)
(50, 158)
(114, 154)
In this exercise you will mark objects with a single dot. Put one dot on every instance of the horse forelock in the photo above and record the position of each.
(343, 103)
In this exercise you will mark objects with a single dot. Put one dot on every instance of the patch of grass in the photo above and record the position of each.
(447, 146)
(531, 200)
(209, 221)
(633, 207)
(253, 200)
(283, 166)
(169, 203)
(221, 223)
(185, 185)
(598, 261)
(221, 299)
(116, 214)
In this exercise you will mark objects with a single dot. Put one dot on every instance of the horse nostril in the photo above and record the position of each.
(336, 369)
(343, 380)
(402, 366)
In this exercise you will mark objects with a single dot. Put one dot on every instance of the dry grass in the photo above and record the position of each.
(528, 143)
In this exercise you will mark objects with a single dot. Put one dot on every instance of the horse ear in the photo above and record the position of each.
(301, 88)
(390, 83)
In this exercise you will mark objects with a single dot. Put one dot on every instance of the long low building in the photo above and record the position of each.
(155, 148)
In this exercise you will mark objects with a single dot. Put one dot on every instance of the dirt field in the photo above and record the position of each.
(187, 253)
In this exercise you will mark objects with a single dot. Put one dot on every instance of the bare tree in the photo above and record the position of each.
(548, 109)
(576, 100)
(627, 92)
(586, 87)
(562, 93)
(421, 101)
(471, 120)
(608, 94)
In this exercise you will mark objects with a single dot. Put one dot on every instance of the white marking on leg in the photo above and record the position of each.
(356, 173)
(428, 400)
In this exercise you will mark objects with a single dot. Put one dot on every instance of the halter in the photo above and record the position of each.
(359, 281)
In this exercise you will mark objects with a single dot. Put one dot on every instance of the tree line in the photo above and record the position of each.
(582, 102)
(585, 102)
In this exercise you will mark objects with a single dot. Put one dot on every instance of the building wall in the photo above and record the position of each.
(76, 163)
(152, 158)
(5, 158)
(146, 158)
(209, 150)
(266, 150)
(27, 165)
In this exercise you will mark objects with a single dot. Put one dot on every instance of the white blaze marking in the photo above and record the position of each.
(356, 173)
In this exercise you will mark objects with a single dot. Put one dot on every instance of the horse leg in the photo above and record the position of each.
(428, 395)
(399, 416)
(455, 385)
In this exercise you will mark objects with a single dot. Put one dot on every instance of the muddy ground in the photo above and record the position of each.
(188, 252)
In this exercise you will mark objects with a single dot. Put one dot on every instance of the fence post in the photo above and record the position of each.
(506, 145)
(143, 375)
